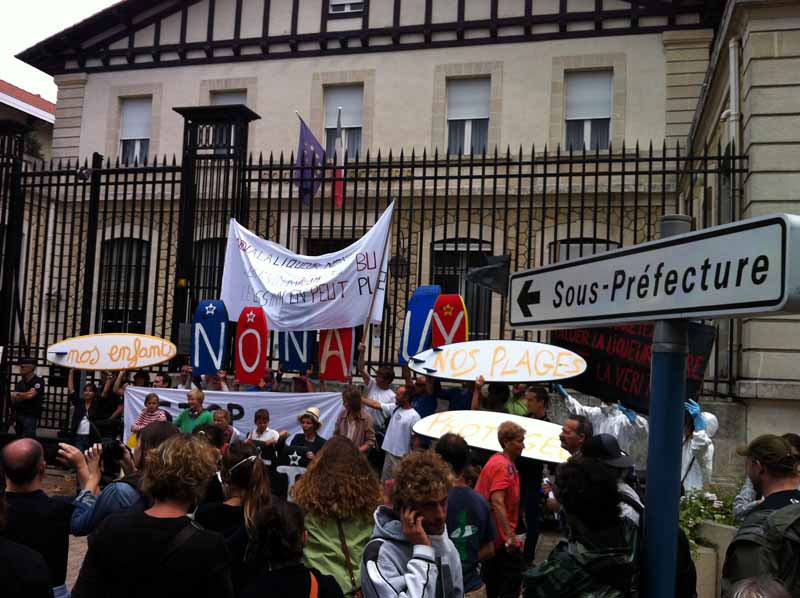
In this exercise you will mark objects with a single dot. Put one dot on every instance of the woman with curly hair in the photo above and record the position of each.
(160, 552)
(338, 495)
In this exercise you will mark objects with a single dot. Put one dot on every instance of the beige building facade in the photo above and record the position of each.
(657, 75)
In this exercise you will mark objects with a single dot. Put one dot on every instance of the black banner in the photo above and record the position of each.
(618, 361)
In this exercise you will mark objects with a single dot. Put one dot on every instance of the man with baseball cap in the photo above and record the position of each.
(759, 547)
(27, 399)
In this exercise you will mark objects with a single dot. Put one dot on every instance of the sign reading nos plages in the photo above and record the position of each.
(619, 361)
(111, 351)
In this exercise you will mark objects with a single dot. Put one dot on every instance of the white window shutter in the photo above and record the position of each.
(588, 94)
(468, 98)
(136, 116)
(228, 98)
(351, 100)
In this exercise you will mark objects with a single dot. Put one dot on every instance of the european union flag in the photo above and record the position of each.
(308, 166)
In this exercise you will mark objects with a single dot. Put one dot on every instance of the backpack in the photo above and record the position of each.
(588, 573)
(777, 536)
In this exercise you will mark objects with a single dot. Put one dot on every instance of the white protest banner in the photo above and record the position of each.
(284, 407)
(300, 292)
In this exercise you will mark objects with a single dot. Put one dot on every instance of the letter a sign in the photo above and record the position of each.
(209, 336)
(336, 354)
(251, 345)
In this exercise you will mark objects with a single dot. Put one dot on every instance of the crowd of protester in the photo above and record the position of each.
(198, 508)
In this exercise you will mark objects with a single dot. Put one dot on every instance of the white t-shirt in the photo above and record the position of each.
(269, 435)
(384, 396)
(398, 435)
(84, 428)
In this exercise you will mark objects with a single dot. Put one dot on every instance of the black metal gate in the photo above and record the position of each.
(108, 247)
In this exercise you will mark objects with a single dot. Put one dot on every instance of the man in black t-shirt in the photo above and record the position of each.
(27, 399)
(35, 519)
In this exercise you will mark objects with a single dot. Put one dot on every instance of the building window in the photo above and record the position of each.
(224, 134)
(452, 259)
(351, 100)
(588, 109)
(124, 274)
(337, 7)
(134, 135)
(229, 98)
(468, 116)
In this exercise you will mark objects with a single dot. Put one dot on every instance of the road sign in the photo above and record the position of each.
(747, 267)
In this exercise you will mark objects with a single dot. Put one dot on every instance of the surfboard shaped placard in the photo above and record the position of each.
(252, 345)
(336, 354)
(503, 361)
(117, 351)
(416, 335)
(209, 337)
(296, 350)
(479, 429)
(449, 323)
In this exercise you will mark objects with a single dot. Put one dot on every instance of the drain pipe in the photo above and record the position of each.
(735, 116)
(737, 194)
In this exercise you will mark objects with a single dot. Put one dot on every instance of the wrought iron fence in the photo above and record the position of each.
(99, 243)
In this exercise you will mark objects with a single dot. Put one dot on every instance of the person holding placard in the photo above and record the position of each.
(397, 442)
(378, 388)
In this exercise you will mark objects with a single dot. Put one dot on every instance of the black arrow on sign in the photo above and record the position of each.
(527, 298)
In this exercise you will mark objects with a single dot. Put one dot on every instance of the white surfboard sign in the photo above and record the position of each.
(502, 361)
(120, 351)
(479, 429)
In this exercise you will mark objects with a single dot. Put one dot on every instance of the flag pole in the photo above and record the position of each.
(377, 278)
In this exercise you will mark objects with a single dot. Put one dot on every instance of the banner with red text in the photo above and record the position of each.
(618, 361)
(302, 292)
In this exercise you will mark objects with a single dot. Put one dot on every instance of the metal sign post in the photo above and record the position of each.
(667, 389)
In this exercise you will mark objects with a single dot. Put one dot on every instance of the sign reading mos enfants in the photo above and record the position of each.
(748, 267)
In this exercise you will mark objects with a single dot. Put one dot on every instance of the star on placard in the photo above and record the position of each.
(294, 459)
(251, 317)
(211, 309)
(447, 310)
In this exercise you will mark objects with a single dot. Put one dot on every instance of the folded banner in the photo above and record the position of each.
(284, 407)
(301, 292)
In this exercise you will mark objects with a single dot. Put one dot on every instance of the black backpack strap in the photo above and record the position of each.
(181, 538)
(631, 502)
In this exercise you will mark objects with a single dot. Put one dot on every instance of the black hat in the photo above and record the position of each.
(606, 448)
(26, 361)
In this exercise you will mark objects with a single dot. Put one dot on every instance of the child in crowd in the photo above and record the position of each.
(222, 420)
(151, 413)
(262, 432)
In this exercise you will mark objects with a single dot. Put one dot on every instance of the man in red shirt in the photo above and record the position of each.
(499, 485)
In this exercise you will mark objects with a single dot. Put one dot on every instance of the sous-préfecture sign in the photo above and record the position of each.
(748, 267)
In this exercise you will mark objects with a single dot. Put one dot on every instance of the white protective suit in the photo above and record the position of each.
(697, 455)
(608, 419)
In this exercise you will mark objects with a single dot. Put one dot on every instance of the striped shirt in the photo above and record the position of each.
(146, 418)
